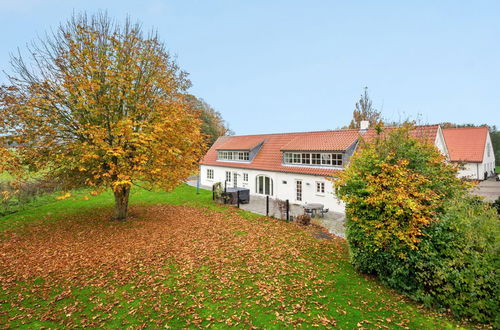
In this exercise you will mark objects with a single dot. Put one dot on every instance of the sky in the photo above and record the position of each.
(285, 66)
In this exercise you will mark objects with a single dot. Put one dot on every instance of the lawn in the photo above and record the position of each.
(182, 261)
(497, 169)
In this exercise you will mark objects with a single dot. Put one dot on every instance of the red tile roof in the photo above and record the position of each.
(323, 141)
(466, 143)
(426, 133)
(269, 157)
(239, 142)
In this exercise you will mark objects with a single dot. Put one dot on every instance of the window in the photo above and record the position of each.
(235, 175)
(488, 147)
(264, 185)
(210, 174)
(228, 176)
(298, 190)
(324, 159)
(337, 159)
(316, 159)
(320, 187)
(233, 155)
(243, 155)
(245, 177)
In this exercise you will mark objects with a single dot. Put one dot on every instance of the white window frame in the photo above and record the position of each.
(245, 177)
(320, 187)
(314, 158)
(238, 156)
(210, 174)
(228, 176)
(299, 192)
(263, 191)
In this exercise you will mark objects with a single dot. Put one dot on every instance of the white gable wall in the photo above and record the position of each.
(441, 144)
(489, 157)
(284, 185)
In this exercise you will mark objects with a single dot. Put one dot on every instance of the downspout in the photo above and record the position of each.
(477, 171)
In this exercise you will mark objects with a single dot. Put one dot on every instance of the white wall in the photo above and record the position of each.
(281, 190)
(489, 157)
(470, 171)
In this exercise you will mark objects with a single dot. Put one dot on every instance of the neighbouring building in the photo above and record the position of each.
(293, 166)
(472, 148)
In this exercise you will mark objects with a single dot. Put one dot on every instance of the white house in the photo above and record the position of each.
(293, 166)
(472, 148)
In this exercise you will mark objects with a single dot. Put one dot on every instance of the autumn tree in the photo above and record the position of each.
(413, 223)
(364, 110)
(212, 124)
(100, 104)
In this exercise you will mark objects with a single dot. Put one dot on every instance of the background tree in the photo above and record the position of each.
(365, 111)
(213, 125)
(495, 141)
(99, 104)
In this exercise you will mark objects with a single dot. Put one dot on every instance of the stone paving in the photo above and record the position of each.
(333, 221)
(489, 189)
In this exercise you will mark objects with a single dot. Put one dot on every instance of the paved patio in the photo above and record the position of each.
(333, 221)
(489, 189)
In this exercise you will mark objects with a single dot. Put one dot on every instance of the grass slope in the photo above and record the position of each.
(182, 261)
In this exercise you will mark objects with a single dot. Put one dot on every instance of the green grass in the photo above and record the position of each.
(4, 176)
(195, 296)
(497, 169)
(48, 208)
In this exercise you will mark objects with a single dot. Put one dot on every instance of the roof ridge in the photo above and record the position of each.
(325, 131)
(286, 133)
(474, 127)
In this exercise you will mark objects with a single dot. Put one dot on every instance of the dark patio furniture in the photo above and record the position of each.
(232, 195)
(323, 212)
(314, 207)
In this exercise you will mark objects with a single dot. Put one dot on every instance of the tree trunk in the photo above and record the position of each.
(121, 202)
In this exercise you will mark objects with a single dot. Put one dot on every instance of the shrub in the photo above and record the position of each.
(303, 220)
(410, 222)
(456, 265)
(496, 205)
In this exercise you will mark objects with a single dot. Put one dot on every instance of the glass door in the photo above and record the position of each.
(298, 189)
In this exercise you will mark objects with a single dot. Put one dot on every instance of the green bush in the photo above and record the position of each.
(411, 223)
(457, 264)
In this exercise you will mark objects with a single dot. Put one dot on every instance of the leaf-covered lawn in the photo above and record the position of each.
(188, 266)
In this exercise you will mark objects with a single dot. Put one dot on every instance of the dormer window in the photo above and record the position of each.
(306, 158)
(234, 155)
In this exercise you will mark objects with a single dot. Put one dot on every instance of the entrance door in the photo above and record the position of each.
(235, 176)
(298, 190)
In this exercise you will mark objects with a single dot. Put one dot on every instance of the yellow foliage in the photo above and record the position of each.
(64, 196)
(115, 114)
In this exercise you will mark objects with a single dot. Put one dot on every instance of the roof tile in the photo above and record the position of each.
(466, 143)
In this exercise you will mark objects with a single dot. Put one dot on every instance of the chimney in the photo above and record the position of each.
(363, 125)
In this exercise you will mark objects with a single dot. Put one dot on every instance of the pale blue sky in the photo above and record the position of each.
(280, 66)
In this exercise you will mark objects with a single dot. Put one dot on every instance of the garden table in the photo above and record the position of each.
(314, 207)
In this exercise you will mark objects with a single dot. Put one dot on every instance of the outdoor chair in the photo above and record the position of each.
(308, 212)
(323, 212)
